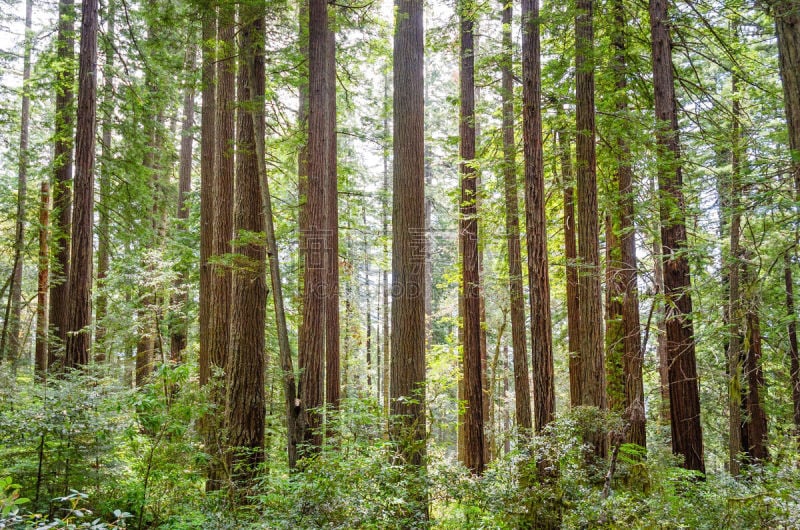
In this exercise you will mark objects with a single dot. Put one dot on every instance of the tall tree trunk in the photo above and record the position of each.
(80, 272)
(408, 242)
(632, 354)
(593, 391)
(103, 225)
(571, 256)
(536, 234)
(15, 291)
(219, 319)
(223, 189)
(687, 434)
(522, 389)
(207, 169)
(311, 354)
(473, 388)
(735, 316)
(62, 181)
(245, 409)
(787, 28)
(179, 323)
(332, 368)
(43, 278)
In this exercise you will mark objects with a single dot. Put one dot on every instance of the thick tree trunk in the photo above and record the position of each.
(687, 434)
(332, 368)
(245, 409)
(544, 404)
(223, 183)
(787, 28)
(311, 354)
(593, 392)
(207, 145)
(62, 181)
(522, 389)
(219, 318)
(471, 348)
(408, 240)
(80, 272)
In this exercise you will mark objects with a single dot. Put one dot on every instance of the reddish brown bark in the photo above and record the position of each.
(245, 403)
(311, 352)
(222, 189)
(207, 143)
(80, 272)
(522, 389)
(593, 392)
(471, 347)
(408, 240)
(687, 434)
(332, 368)
(536, 234)
(62, 181)
(787, 28)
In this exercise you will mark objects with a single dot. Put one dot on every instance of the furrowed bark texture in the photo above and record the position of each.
(471, 347)
(535, 220)
(62, 181)
(80, 273)
(311, 353)
(684, 397)
(245, 399)
(593, 391)
(522, 389)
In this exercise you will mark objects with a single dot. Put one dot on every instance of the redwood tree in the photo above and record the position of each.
(593, 391)
(408, 239)
(684, 396)
(245, 403)
(207, 144)
(311, 349)
(80, 272)
(544, 403)
(332, 384)
(522, 390)
(62, 179)
(787, 28)
(470, 278)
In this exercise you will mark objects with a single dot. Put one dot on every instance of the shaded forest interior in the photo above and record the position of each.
(313, 264)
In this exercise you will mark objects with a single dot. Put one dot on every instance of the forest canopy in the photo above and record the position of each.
(445, 264)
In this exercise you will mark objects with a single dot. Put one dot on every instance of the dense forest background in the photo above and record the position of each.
(313, 264)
